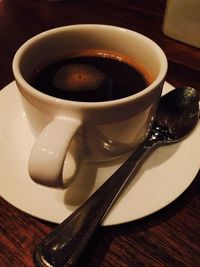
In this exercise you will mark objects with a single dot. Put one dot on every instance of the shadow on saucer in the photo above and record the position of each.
(82, 186)
(156, 157)
(88, 179)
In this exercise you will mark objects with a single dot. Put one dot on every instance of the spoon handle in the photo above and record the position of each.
(64, 245)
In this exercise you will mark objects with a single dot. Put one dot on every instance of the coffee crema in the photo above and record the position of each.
(91, 76)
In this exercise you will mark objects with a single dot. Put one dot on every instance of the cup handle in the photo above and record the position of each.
(49, 151)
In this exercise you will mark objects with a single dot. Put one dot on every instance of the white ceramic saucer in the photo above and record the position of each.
(162, 178)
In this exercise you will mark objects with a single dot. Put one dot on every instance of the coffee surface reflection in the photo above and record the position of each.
(90, 77)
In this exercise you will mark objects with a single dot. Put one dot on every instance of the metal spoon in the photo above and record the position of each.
(177, 115)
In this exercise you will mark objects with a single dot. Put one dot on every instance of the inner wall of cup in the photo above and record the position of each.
(54, 44)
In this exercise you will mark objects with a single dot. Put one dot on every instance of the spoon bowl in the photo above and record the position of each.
(177, 115)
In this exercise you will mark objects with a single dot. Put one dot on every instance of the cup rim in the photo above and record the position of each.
(62, 102)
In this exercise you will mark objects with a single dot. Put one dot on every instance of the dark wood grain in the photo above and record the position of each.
(169, 237)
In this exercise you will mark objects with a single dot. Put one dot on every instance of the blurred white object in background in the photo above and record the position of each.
(182, 21)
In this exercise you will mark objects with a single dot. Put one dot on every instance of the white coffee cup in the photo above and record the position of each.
(67, 131)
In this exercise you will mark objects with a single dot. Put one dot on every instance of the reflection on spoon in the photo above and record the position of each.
(177, 116)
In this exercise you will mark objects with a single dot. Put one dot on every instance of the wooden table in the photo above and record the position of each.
(169, 237)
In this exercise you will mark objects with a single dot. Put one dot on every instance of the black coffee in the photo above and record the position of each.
(89, 78)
